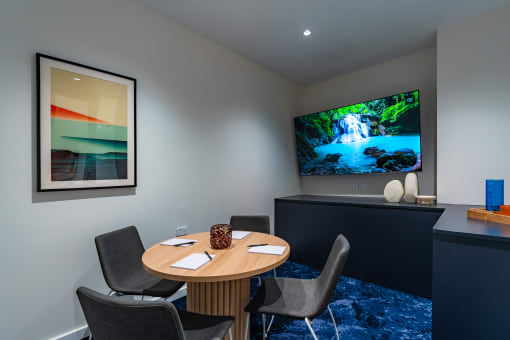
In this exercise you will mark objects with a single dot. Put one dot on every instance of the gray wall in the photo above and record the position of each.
(416, 71)
(215, 138)
(473, 80)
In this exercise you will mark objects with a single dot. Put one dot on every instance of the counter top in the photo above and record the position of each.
(453, 220)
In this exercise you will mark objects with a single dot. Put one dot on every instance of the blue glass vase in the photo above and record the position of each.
(494, 194)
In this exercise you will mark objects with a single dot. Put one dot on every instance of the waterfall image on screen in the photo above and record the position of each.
(376, 136)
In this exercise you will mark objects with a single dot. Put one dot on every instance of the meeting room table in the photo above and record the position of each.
(222, 286)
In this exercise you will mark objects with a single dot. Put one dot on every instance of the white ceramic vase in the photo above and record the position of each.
(411, 188)
(394, 191)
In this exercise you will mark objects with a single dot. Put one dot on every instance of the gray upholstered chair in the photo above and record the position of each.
(120, 254)
(259, 223)
(115, 318)
(299, 298)
(256, 223)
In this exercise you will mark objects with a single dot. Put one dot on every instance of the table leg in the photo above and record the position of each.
(221, 298)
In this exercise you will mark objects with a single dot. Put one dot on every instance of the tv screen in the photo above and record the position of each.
(377, 136)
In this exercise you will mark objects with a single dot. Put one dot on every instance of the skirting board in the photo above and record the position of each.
(75, 334)
(83, 331)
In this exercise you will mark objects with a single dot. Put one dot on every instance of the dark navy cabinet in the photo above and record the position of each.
(391, 244)
(471, 296)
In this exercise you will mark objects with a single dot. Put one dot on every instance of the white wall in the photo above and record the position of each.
(416, 71)
(473, 116)
(215, 138)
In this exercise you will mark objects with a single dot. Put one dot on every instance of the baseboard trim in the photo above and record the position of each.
(75, 334)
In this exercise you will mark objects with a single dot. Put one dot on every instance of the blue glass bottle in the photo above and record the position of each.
(494, 194)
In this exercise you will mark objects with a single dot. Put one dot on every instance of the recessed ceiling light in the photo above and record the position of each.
(307, 33)
(75, 78)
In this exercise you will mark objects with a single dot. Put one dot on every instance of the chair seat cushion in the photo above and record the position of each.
(163, 288)
(293, 298)
(204, 327)
(146, 284)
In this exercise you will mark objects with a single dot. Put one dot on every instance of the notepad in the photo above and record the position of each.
(239, 235)
(176, 241)
(272, 250)
(193, 261)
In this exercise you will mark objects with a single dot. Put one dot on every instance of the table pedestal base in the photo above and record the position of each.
(221, 298)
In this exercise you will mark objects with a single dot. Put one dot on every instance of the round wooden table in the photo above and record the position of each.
(221, 287)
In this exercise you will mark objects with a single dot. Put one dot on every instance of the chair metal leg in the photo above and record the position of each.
(182, 292)
(247, 324)
(263, 315)
(309, 324)
(270, 323)
(334, 323)
(114, 293)
(264, 334)
(230, 333)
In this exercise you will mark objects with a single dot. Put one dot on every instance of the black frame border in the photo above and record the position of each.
(362, 173)
(38, 80)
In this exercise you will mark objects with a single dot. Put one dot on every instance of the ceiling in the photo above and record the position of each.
(346, 34)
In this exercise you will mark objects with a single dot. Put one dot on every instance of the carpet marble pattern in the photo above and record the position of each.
(362, 311)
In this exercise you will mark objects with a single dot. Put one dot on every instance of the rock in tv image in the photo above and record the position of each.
(376, 136)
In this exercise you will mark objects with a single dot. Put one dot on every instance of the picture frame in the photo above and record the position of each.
(86, 127)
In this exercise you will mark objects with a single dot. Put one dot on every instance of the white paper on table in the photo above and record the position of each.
(239, 235)
(193, 261)
(272, 250)
(176, 241)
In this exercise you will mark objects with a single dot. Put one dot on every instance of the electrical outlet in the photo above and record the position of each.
(182, 230)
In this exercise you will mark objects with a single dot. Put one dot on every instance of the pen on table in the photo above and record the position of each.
(257, 245)
(181, 244)
(209, 256)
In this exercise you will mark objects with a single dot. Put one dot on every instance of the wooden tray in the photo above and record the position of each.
(491, 216)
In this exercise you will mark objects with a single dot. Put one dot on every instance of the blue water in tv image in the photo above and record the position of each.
(376, 136)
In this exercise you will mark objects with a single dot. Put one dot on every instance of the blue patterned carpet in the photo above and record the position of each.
(362, 311)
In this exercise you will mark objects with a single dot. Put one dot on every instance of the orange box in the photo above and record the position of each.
(504, 210)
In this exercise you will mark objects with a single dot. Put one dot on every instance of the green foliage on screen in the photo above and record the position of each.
(392, 116)
(401, 106)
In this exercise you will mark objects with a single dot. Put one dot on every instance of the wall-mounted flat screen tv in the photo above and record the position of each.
(377, 136)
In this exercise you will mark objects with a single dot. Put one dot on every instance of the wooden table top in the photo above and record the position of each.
(232, 263)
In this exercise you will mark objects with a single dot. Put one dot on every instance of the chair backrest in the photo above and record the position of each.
(259, 223)
(331, 272)
(114, 318)
(120, 254)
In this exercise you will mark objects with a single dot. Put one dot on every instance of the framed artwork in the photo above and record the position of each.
(86, 127)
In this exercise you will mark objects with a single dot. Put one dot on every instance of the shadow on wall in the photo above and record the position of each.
(53, 196)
